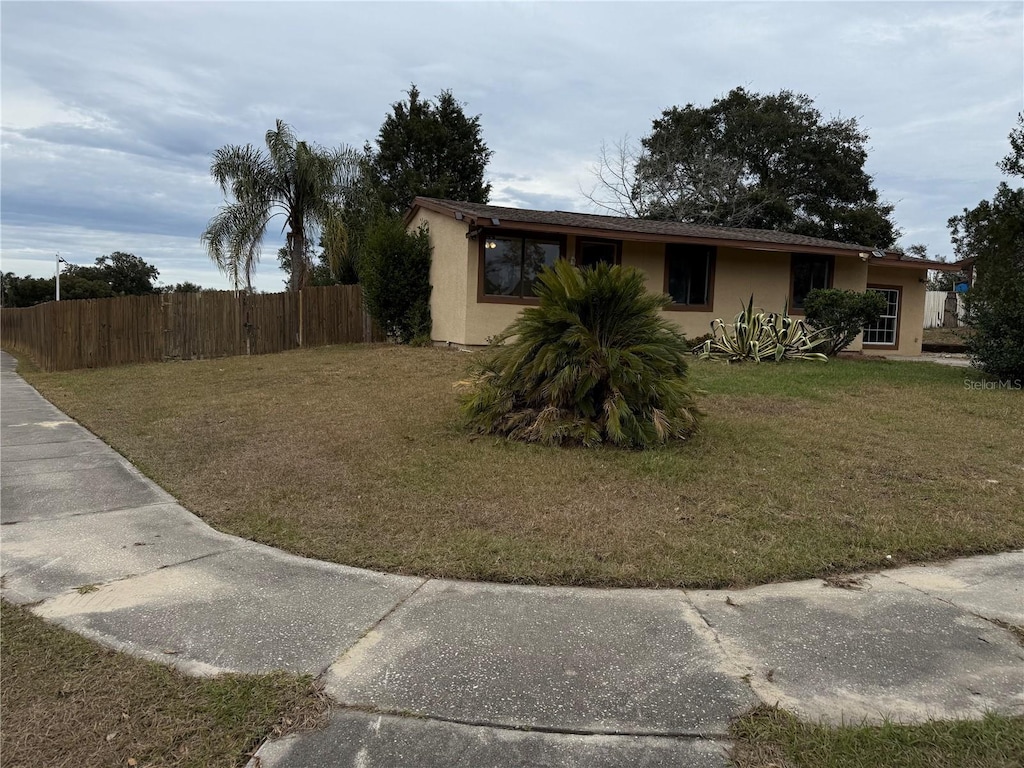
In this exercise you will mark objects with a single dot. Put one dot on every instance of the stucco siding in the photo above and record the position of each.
(449, 295)
(649, 258)
(486, 320)
(912, 298)
(460, 317)
(851, 274)
(739, 274)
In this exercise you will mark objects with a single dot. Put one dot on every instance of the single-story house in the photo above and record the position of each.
(486, 259)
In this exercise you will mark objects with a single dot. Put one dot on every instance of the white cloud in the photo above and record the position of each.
(178, 258)
(111, 110)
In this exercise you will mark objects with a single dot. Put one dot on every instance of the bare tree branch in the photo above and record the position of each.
(665, 179)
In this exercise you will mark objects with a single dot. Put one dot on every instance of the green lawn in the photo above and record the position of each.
(65, 701)
(350, 454)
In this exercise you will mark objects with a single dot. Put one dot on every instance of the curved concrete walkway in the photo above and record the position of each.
(495, 675)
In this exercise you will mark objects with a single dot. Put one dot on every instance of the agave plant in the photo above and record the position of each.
(593, 363)
(760, 336)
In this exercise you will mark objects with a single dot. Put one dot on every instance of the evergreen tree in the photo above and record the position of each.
(993, 234)
(430, 149)
(125, 273)
(394, 271)
(750, 160)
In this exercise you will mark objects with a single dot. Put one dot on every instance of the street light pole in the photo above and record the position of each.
(59, 262)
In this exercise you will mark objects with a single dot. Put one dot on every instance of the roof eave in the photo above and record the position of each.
(505, 222)
(940, 266)
(650, 237)
(431, 205)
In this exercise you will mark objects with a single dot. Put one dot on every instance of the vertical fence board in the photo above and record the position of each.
(95, 333)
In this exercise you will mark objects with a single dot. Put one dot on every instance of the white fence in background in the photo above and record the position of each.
(943, 310)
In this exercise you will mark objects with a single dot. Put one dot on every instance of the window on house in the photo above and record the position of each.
(885, 331)
(809, 271)
(689, 275)
(590, 253)
(511, 263)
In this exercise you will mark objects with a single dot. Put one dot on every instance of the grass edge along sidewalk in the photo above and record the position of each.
(66, 700)
(769, 737)
(350, 455)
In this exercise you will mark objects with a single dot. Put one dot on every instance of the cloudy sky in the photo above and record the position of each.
(110, 111)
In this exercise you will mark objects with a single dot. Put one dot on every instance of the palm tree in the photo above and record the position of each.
(299, 181)
(593, 364)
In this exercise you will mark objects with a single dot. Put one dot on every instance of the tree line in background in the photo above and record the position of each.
(340, 207)
(117, 274)
(765, 161)
(747, 160)
(768, 161)
(750, 160)
(992, 233)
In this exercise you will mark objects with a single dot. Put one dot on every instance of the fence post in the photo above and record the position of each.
(951, 314)
(101, 332)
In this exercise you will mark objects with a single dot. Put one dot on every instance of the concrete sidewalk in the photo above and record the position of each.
(954, 359)
(433, 672)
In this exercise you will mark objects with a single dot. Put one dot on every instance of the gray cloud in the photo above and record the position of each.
(112, 110)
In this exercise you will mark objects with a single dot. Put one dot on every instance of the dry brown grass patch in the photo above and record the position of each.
(68, 702)
(351, 454)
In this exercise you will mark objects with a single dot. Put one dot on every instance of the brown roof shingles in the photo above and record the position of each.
(620, 224)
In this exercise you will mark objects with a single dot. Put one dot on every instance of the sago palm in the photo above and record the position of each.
(295, 180)
(593, 363)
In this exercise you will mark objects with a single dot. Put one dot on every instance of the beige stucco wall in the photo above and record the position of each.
(449, 265)
(459, 318)
(912, 296)
(851, 275)
(740, 273)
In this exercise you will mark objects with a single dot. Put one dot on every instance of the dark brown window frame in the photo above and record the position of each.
(578, 250)
(793, 309)
(485, 298)
(709, 306)
(899, 316)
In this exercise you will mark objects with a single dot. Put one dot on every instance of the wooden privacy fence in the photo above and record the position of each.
(94, 333)
(943, 309)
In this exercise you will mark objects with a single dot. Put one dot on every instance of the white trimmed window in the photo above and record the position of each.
(884, 333)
